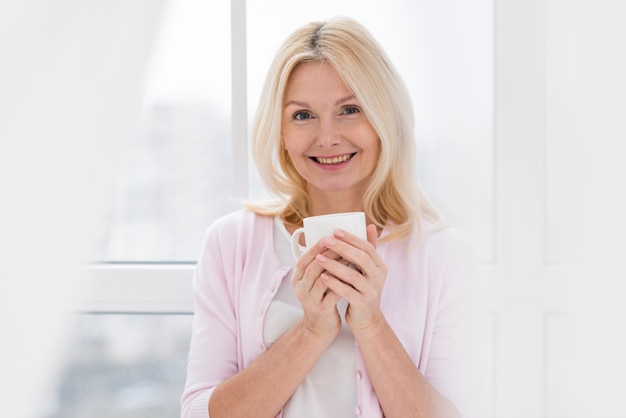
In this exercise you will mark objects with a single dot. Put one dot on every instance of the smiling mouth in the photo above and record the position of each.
(333, 160)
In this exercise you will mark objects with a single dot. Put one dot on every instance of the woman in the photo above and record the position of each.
(389, 337)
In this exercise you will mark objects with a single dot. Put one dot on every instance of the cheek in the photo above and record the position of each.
(374, 157)
(293, 156)
(294, 144)
(289, 149)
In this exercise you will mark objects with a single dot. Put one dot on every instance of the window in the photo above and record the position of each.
(176, 176)
(122, 366)
(183, 169)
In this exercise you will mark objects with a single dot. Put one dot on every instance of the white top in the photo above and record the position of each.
(329, 390)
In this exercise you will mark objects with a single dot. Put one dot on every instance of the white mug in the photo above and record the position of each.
(318, 227)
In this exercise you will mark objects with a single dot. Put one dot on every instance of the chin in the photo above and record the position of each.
(338, 187)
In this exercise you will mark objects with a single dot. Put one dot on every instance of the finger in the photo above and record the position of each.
(358, 251)
(305, 260)
(341, 271)
(303, 263)
(368, 246)
(318, 290)
(313, 270)
(339, 287)
(331, 298)
(306, 257)
(307, 282)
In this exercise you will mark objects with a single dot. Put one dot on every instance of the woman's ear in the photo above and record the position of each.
(283, 150)
(282, 144)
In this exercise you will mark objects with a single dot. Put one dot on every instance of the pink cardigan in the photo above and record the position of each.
(428, 299)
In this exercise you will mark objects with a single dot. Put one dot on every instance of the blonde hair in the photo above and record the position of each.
(393, 197)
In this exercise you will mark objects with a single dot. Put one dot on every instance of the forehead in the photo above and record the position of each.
(315, 78)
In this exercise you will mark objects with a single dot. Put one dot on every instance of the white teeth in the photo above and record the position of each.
(334, 160)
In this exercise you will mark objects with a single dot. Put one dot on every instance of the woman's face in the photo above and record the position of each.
(328, 138)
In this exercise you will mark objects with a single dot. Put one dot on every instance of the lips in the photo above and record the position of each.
(337, 159)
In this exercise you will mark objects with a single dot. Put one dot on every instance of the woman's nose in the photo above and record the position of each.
(328, 133)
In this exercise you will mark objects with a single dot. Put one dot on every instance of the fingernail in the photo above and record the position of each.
(339, 233)
(330, 241)
(321, 258)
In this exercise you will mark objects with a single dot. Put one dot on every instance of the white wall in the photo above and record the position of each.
(69, 94)
(556, 293)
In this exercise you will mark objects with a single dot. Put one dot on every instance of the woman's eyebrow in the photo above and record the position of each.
(295, 102)
(344, 99)
(302, 104)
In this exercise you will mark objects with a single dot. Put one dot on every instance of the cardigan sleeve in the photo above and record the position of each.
(453, 366)
(213, 354)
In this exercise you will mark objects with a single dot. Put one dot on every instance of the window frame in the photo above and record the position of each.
(165, 288)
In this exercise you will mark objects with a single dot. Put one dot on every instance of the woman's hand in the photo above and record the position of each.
(361, 285)
(318, 301)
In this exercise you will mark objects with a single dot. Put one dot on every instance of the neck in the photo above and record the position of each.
(322, 203)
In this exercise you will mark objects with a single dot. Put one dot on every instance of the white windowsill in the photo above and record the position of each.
(137, 288)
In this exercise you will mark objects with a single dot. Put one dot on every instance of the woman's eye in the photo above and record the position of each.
(300, 115)
(351, 110)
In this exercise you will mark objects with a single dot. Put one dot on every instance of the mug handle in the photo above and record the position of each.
(295, 243)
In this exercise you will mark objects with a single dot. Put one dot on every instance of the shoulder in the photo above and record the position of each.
(240, 221)
(238, 229)
(234, 236)
(438, 247)
(443, 240)
(428, 236)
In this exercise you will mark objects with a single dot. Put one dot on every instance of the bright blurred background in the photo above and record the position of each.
(123, 131)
